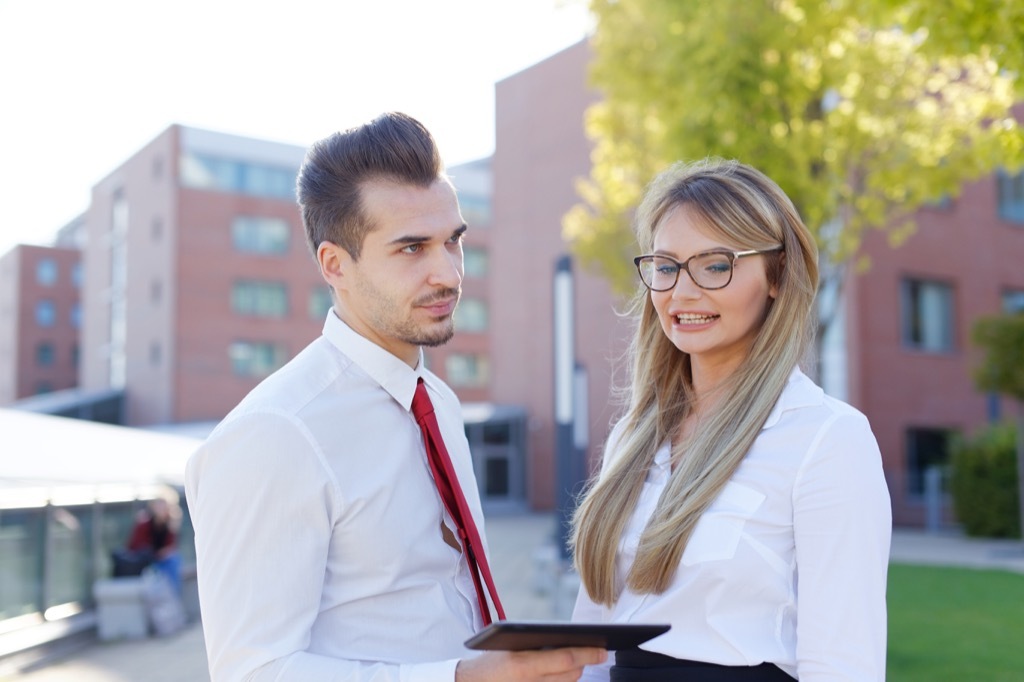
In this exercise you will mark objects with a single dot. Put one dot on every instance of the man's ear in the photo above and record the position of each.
(334, 263)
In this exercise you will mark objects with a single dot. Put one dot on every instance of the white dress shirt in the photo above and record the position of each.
(788, 565)
(318, 525)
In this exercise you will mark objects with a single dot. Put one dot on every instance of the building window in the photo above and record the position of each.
(46, 313)
(46, 272)
(259, 299)
(254, 234)
(476, 209)
(75, 316)
(256, 359)
(156, 291)
(474, 261)
(158, 167)
(1013, 301)
(466, 370)
(926, 448)
(74, 355)
(927, 309)
(1010, 193)
(319, 303)
(45, 354)
(268, 181)
(471, 315)
(155, 353)
(76, 275)
(201, 171)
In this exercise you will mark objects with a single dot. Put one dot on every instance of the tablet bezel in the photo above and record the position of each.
(531, 635)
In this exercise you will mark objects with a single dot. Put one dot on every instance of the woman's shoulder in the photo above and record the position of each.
(802, 392)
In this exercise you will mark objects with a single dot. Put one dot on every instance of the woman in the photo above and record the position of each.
(735, 501)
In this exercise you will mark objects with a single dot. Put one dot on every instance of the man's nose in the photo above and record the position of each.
(446, 268)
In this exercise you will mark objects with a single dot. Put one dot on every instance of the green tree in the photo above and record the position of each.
(1001, 339)
(862, 111)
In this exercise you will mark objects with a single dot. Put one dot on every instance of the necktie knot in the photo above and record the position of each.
(421, 405)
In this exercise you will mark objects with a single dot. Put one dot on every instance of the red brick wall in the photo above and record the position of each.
(541, 150)
(967, 246)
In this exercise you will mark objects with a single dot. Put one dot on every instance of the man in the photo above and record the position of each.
(324, 550)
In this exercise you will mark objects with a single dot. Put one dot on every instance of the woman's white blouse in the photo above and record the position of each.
(788, 565)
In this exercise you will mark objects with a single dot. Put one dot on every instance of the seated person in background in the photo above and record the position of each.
(155, 535)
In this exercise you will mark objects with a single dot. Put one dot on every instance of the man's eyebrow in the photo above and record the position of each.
(415, 239)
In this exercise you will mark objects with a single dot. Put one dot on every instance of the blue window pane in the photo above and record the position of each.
(46, 313)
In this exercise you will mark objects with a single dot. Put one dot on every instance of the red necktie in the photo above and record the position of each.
(455, 501)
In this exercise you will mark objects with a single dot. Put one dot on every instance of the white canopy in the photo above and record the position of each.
(45, 458)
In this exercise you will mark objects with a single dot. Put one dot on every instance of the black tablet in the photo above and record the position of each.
(522, 635)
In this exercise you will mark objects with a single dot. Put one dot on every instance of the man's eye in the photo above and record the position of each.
(412, 248)
(456, 238)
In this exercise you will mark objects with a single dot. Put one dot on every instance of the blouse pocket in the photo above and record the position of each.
(717, 534)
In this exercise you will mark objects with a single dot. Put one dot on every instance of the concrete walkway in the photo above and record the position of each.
(514, 542)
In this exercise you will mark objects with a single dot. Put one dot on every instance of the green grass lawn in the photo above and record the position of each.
(954, 624)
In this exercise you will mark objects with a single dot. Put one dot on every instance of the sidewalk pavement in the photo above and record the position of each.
(514, 541)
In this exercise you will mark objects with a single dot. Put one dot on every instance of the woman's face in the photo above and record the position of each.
(715, 327)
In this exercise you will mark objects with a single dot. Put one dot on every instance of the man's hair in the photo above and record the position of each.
(392, 147)
(742, 207)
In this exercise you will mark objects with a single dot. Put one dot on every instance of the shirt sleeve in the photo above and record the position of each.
(263, 507)
(842, 530)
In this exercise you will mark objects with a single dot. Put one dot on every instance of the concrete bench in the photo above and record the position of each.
(121, 608)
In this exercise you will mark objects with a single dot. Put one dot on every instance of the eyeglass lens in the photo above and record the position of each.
(710, 271)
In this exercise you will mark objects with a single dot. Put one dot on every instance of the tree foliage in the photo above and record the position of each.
(1001, 339)
(983, 482)
(861, 111)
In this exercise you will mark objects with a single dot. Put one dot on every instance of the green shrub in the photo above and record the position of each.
(983, 480)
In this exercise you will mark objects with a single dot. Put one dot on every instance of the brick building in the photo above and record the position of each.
(40, 316)
(199, 281)
(899, 351)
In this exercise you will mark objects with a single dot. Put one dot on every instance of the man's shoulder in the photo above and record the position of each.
(299, 382)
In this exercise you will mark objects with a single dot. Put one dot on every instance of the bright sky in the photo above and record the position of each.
(85, 84)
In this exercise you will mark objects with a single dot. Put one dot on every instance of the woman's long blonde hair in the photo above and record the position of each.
(742, 207)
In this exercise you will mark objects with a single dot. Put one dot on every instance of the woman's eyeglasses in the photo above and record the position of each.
(709, 270)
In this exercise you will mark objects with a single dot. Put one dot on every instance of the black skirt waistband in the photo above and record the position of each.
(637, 665)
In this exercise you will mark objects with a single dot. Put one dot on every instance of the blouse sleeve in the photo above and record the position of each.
(842, 530)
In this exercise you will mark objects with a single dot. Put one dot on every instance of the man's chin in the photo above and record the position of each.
(437, 337)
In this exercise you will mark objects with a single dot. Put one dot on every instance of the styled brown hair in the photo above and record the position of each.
(392, 147)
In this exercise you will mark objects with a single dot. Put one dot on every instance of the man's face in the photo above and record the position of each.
(402, 291)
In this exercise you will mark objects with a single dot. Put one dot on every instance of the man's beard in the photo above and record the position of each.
(408, 333)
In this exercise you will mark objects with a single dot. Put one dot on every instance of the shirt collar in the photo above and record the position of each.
(798, 392)
(393, 375)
